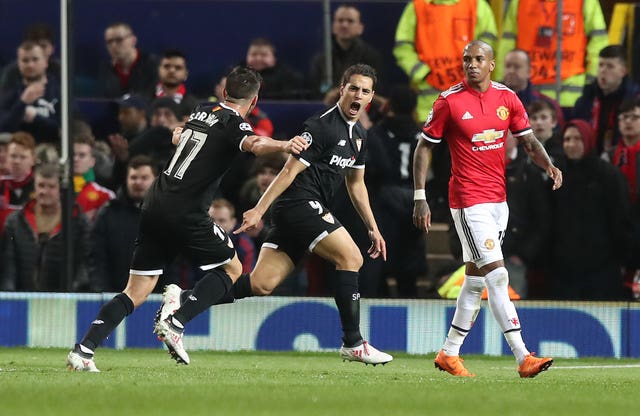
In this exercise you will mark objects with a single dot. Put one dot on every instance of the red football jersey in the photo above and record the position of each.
(475, 125)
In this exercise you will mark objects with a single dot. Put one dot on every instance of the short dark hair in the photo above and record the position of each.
(126, 26)
(360, 69)
(139, 161)
(27, 45)
(174, 53)
(243, 83)
(48, 170)
(539, 105)
(614, 51)
(629, 104)
(38, 32)
(402, 99)
(263, 42)
(83, 138)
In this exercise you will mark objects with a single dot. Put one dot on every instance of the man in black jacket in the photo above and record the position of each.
(116, 227)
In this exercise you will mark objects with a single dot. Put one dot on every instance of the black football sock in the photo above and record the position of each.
(207, 292)
(109, 317)
(184, 295)
(242, 287)
(348, 303)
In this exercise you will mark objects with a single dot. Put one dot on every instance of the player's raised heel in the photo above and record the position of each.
(170, 303)
(365, 353)
(452, 364)
(532, 366)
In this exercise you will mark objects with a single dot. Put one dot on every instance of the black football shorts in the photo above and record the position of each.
(299, 226)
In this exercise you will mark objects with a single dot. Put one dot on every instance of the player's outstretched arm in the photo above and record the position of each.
(262, 145)
(360, 199)
(538, 154)
(285, 177)
(421, 211)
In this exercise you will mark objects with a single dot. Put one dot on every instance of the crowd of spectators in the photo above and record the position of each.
(594, 141)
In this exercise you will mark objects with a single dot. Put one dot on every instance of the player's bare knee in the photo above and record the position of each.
(349, 261)
(262, 288)
(233, 269)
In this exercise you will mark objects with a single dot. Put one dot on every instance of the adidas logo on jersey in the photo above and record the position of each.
(467, 116)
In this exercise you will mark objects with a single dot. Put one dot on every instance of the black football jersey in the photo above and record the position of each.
(335, 145)
(211, 139)
(390, 151)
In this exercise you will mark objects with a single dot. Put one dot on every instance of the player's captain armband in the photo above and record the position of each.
(419, 195)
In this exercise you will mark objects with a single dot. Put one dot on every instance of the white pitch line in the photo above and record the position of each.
(583, 367)
(580, 367)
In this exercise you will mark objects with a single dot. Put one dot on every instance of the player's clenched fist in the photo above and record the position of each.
(296, 145)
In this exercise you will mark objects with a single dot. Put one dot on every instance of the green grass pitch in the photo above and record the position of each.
(148, 382)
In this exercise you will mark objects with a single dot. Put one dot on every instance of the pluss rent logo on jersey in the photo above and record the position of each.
(342, 161)
(488, 137)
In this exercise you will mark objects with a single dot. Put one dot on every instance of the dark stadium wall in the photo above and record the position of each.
(213, 34)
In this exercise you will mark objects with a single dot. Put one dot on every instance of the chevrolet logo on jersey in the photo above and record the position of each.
(488, 136)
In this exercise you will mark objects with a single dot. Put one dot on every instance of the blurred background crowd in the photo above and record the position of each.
(140, 68)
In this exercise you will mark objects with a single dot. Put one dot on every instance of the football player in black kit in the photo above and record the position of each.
(300, 195)
(175, 219)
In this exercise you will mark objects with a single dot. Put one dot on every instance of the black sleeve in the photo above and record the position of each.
(318, 136)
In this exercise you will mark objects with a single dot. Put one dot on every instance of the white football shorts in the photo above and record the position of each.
(481, 229)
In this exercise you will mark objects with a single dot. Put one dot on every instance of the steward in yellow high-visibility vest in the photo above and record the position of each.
(531, 25)
(430, 37)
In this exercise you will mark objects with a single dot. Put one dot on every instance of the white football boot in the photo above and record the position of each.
(171, 335)
(170, 303)
(365, 353)
(79, 361)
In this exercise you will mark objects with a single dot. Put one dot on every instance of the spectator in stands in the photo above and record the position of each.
(590, 220)
(626, 156)
(172, 74)
(89, 195)
(17, 187)
(542, 115)
(530, 25)
(155, 142)
(223, 213)
(132, 117)
(279, 81)
(32, 246)
(42, 34)
(347, 49)
(517, 73)
(101, 152)
(130, 70)
(527, 234)
(601, 98)
(33, 105)
(116, 226)
(4, 155)
(429, 38)
(390, 182)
